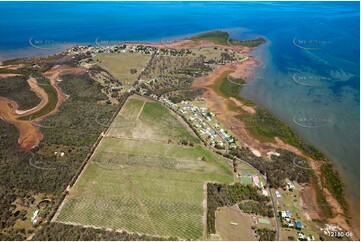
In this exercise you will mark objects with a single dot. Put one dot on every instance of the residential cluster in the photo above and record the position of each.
(203, 122)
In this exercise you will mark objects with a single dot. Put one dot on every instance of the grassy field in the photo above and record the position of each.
(240, 230)
(120, 64)
(146, 186)
(144, 119)
(291, 201)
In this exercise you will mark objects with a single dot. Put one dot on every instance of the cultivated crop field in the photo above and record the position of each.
(145, 119)
(143, 185)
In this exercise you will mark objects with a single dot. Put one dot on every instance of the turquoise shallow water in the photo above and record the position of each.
(310, 64)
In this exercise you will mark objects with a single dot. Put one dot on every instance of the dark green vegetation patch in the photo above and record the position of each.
(16, 88)
(220, 195)
(222, 38)
(72, 130)
(58, 232)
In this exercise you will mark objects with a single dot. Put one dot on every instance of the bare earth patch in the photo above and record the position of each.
(30, 135)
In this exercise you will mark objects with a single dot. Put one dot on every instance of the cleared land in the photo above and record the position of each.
(143, 185)
(120, 65)
(233, 225)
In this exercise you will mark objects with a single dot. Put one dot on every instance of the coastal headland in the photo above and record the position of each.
(261, 137)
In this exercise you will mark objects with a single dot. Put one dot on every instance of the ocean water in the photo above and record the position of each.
(309, 76)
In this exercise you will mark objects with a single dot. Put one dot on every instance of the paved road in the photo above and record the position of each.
(272, 199)
(218, 134)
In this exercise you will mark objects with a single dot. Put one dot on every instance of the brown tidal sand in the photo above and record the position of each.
(40, 93)
(53, 74)
(12, 67)
(190, 44)
(4, 75)
(30, 135)
(219, 105)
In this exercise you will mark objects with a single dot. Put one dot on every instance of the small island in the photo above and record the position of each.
(152, 141)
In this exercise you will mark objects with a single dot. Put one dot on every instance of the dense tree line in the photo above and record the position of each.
(73, 130)
(266, 234)
(257, 208)
(277, 170)
(16, 88)
(59, 232)
(220, 195)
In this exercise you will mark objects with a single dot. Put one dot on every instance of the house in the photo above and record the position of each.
(309, 238)
(290, 186)
(301, 236)
(255, 180)
(264, 192)
(298, 225)
(278, 195)
(33, 218)
(286, 214)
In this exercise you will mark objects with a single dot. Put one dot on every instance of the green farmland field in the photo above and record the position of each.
(145, 186)
(148, 120)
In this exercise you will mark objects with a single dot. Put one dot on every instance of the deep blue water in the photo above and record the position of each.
(324, 101)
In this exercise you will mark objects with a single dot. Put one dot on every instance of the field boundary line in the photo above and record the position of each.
(85, 164)
(129, 181)
(141, 110)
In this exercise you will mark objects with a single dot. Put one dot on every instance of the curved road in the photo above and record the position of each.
(271, 196)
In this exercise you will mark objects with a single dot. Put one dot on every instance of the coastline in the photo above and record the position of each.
(220, 105)
(264, 53)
